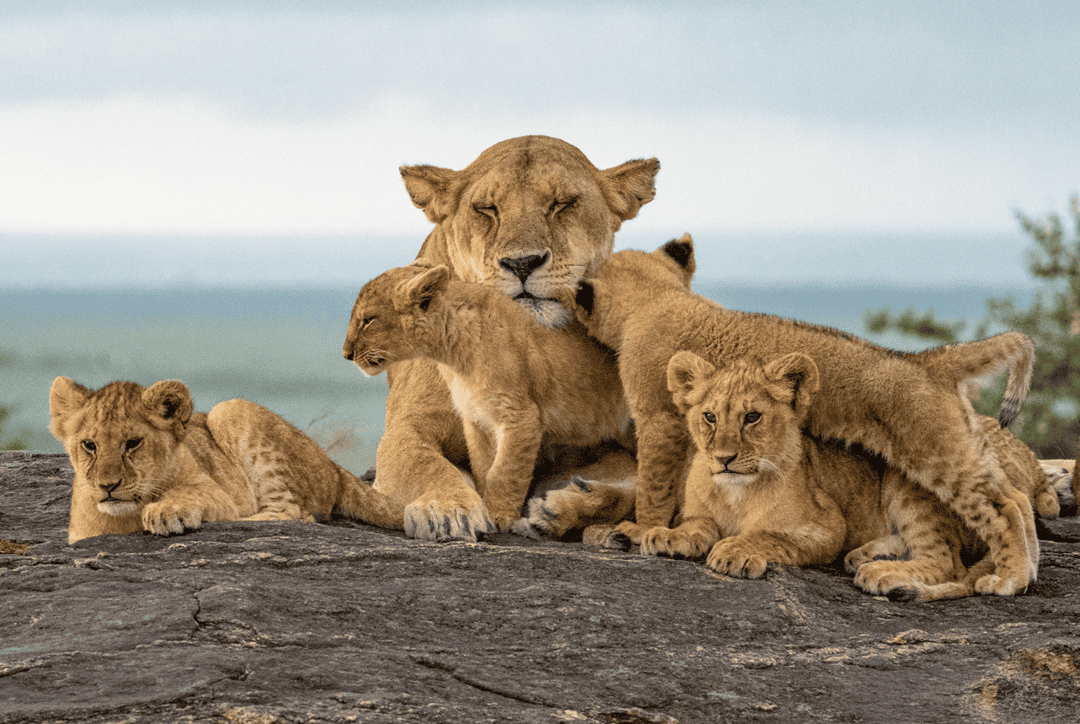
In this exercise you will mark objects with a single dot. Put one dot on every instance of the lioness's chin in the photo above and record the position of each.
(547, 311)
(119, 509)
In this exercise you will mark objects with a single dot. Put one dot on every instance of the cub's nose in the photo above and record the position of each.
(523, 266)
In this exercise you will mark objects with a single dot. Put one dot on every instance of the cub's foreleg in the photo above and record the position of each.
(748, 554)
(516, 442)
(664, 450)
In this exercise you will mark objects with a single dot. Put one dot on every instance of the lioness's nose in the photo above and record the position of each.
(523, 266)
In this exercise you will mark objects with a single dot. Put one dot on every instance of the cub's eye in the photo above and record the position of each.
(367, 322)
(487, 210)
(132, 444)
(89, 446)
(751, 418)
(709, 417)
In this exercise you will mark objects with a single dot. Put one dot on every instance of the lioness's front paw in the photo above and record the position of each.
(662, 541)
(163, 518)
(439, 520)
(732, 558)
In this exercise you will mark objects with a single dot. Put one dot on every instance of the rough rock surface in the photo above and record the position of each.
(254, 623)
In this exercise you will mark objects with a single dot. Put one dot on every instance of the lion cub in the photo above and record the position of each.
(761, 491)
(516, 384)
(145, 461)
(909, 408)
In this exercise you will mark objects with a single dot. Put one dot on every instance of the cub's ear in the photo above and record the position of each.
(585, 298)
(796, 379)
(421, 289)
(686, 377)
(431, 189)
(629, 186)
(66, 397)
(681, 251)
(169, 405)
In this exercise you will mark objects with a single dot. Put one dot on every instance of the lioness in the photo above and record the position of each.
(530, 217)
(145, 461)
(515, 382)
(895, 405)
(761, 491)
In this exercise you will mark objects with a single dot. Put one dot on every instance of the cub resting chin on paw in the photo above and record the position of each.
(761, 491)
(910, 408)
(518, 385)
(144, 460)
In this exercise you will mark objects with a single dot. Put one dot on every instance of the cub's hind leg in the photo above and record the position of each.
(931, 536)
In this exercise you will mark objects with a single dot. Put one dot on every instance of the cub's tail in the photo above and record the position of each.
(961, 363)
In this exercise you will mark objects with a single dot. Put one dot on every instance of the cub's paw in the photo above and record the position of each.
(606, 537)
(167, 518)
(561, 510)
(662, 541)
(732, 557)
(889, 548)
(996, 585)
(462, 517)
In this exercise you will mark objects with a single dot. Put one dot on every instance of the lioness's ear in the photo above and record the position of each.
(629, 186)
(169, 405)
(796, 377)
(687, 373)
(65, 398)
(430, 188)
(681, 251)
(421, 289)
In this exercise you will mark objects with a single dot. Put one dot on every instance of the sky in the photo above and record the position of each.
(220, 128)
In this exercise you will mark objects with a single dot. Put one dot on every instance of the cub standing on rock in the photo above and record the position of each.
(761, 491)
(517, 384)
(144, 461)
(894, 404)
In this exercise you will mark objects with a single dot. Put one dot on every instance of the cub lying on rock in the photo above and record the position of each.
(145, 461)
(909, 408)
(761, 491)
(516, 384)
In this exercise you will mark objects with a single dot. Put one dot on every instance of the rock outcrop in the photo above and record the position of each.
(256, 623)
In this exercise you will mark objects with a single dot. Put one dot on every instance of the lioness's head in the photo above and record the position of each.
(391, 318)
(629, 280)
(120, 438)
(530, 216)
(746, 417)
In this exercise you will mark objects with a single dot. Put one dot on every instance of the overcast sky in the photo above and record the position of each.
(277, 118)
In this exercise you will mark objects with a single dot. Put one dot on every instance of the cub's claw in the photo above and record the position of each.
(428, 521)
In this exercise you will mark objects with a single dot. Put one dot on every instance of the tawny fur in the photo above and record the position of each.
(144, 460)
(760, 491)
(530, 217)
(518, 385)
(640, 304)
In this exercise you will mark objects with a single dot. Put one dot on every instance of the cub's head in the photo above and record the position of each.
(631, 280)
(530, 216)
(745, 418)
(121, 438)
(389, 321)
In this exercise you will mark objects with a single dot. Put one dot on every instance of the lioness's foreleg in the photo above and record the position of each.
(420, 457)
